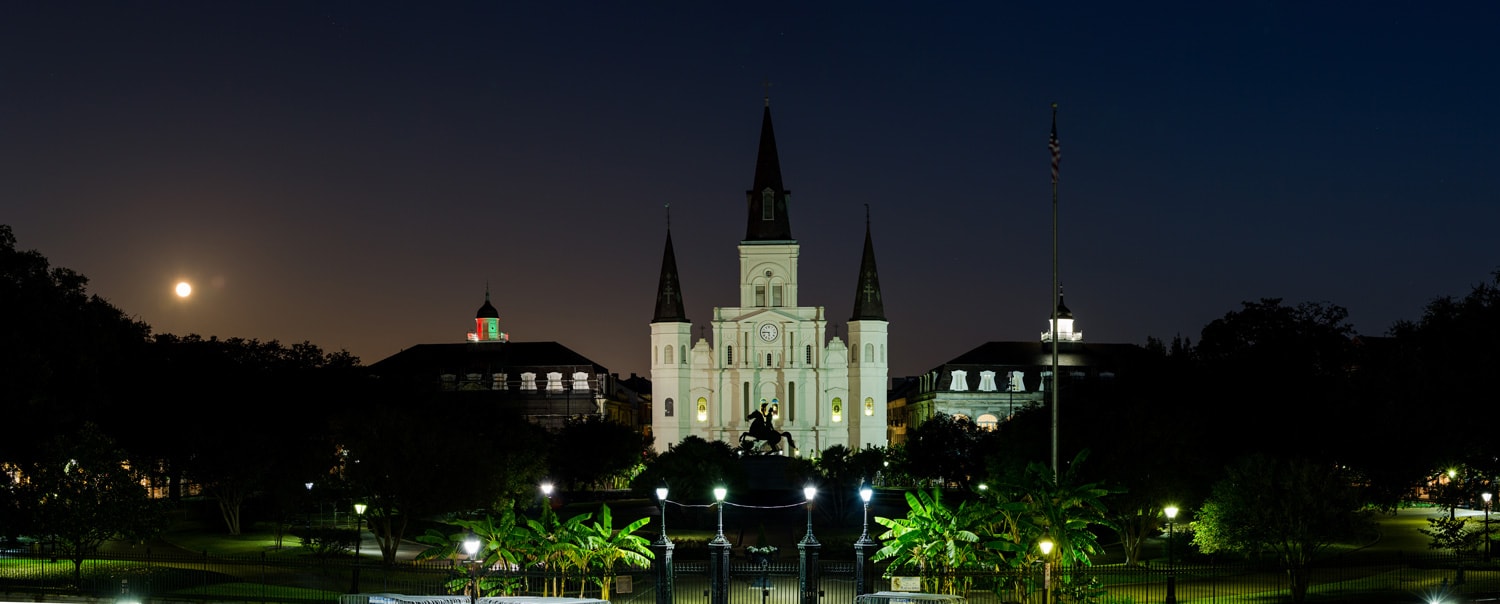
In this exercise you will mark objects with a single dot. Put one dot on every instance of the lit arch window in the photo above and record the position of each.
(702, 409)
(869, 406)
(988, 422)
(838, 409)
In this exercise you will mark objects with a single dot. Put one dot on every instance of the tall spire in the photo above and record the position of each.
(767, 197)
(867, 303)
(669, 308)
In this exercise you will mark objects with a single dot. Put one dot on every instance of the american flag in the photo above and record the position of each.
(1054, 146)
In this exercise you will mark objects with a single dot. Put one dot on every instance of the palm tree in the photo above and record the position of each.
(933, 539)
(605, 547)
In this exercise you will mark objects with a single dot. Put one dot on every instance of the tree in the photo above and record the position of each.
(85, 492)
(616, 452)
(64, 354)
(945, 447)
(1291, 509)
(692, 468)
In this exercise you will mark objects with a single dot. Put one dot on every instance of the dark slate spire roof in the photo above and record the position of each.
(767, 178)
(669, 308)
(1062, 309)
(487, 311)
(867, 303)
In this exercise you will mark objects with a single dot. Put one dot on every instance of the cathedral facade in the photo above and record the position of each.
(767, 349)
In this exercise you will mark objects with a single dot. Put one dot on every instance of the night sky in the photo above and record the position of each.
(355, 173)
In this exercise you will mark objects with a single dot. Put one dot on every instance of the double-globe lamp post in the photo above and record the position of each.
(863, 545)
(1171, 512)
(663, 547)
(359, 512)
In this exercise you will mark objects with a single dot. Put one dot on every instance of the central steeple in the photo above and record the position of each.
(768, 219)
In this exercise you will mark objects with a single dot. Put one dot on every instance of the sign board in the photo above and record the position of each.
(906, 584)
(623, 584)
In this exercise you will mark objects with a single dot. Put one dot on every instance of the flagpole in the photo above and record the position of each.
(1055, 147)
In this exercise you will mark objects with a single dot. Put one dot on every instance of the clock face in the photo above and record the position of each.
(768, 332)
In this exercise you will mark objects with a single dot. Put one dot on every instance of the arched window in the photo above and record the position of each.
(728, 355)
(809, 354)
(988, 422)
(667, 355)
(870, 353)
(702, 409)
(838, 409)
(768, 359)
(669, 408)
(869, 406)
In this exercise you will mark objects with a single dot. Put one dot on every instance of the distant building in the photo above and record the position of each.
(546, 382)
(766, 348)
(990, 383)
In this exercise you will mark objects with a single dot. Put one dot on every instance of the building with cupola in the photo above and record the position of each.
(989, 384)
(767, 347)
(544, 382)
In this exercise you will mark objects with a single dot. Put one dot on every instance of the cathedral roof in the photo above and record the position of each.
(868, 305)
(773, 223)
(669, 307)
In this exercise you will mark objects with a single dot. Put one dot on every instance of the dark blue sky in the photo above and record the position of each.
(354, 173)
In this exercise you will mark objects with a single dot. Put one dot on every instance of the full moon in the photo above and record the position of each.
(184, 289)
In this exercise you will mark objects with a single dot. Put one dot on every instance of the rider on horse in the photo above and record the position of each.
(761, 429)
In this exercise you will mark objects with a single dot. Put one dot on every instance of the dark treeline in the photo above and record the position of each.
(252, 423)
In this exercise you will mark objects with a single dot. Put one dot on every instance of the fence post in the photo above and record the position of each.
(663, 566)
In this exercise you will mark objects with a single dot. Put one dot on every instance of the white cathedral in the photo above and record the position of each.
(767, 348)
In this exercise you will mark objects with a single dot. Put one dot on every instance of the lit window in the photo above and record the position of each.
(1017, 381)
(960, 381)
(869, 406)
(500, 383)
(988, 422)
(987, 381)
(838, 409)
(528, 381)
(702, 409)
(580, 381)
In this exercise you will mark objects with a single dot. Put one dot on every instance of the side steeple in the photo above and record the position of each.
(669, 307)
(768, 219)
(867, 303)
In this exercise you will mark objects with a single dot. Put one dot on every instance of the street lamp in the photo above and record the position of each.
(1171, 512)
(718, 556)
(471, 547)
(1046, 546)
(862, 545)
(1487, 496)
(663, 547)
(359, 511)
(808, 552)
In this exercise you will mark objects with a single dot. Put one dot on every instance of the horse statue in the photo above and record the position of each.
(762, 439)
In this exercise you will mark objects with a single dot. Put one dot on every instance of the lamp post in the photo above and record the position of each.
(863, 544)
(547, 492)
(1487, 496)
(1171, 512)
(471, 547)
(359, 512)
(1046, 546)
(663, 547)
(807, 550)
(718, 556)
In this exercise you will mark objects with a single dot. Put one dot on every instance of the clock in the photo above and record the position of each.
(768, 332)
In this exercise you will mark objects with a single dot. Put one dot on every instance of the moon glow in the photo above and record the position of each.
(184, 289)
